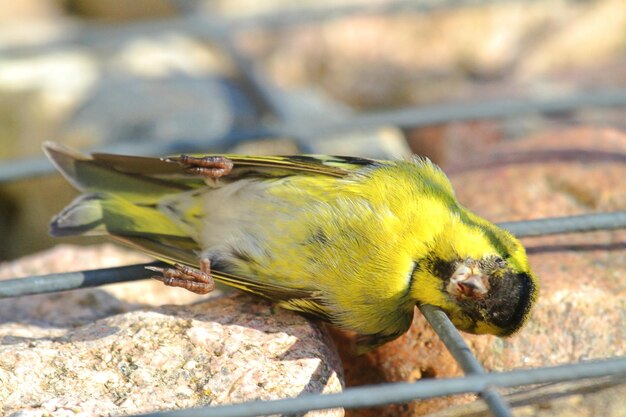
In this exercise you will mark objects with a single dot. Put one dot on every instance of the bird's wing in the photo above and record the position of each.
(264, 166)
(243, 166)
(103, 171)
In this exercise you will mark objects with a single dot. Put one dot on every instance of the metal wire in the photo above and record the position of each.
(404, 392)
(493, 109)
(464, 356)
(570, 224)
(41, 284)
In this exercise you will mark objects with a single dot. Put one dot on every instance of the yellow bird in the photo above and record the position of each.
(352, 241)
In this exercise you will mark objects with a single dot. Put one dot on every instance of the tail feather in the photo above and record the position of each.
(65, 160)
(82, 217)
(103, 213)
(140, 226)
(122, 201)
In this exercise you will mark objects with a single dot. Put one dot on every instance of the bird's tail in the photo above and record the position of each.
(121, 201)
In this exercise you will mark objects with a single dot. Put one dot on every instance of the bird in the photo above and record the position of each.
(352, 241)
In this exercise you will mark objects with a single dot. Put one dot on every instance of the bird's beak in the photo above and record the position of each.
(468, 281)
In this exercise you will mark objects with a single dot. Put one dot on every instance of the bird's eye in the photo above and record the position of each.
(500, 262)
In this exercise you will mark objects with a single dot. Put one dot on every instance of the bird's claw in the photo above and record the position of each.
(198, 281)
(207, 166)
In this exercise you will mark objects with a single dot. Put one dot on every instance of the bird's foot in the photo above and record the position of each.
(198, 281)
(208, 166)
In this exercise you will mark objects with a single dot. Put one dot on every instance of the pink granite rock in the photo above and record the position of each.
(108, 351)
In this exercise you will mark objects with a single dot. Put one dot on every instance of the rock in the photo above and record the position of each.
(425, 58)
(590, 35)
(108, 351)
(454, 143)
(580, 311)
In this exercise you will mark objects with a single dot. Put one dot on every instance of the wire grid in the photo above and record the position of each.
(476, 379)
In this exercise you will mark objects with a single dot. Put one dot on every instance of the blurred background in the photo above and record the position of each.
(446, 79)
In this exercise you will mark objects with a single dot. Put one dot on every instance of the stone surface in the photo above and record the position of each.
(109, 351)
(459, 52)
(580, 312)
(590, 35)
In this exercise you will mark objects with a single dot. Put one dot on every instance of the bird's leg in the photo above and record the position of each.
(195, 280)
(208, 166)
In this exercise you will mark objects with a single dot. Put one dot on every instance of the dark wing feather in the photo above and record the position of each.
(244, 166)
(95, 171)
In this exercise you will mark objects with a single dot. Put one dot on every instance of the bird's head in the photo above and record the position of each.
(479, 275)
